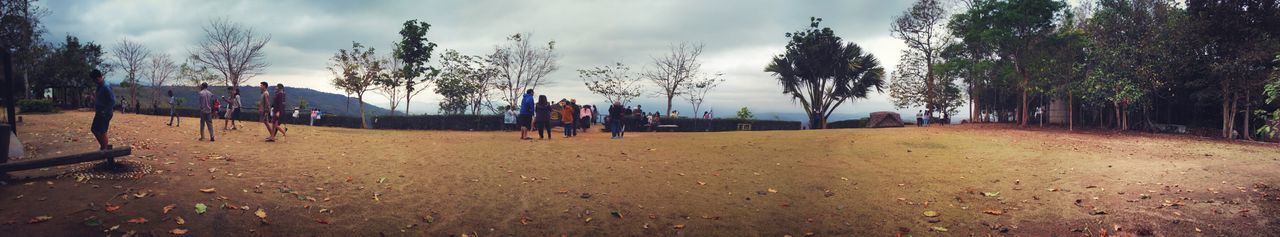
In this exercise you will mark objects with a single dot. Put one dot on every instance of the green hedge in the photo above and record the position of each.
(37, 106)
(713, 125)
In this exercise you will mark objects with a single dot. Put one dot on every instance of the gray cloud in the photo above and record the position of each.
(740, 36)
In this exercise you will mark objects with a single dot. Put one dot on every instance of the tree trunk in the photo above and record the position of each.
(406, 102)
(1248, 108)
(669, 105)
(363, 121)
(1071, 117)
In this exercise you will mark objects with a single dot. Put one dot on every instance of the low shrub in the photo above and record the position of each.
(37, 106)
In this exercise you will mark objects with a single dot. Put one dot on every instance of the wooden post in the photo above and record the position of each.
(65, 160)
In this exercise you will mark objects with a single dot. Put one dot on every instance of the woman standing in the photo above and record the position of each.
(585, 121)
(542, 117)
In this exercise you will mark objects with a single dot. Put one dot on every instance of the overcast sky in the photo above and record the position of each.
(740, 36)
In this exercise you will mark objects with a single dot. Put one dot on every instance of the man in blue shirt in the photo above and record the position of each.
(526, 115)
(104, 101)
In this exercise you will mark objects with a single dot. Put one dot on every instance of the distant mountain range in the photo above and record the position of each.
(324, 101)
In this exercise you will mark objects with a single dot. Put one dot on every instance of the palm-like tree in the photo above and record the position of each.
(822, 72)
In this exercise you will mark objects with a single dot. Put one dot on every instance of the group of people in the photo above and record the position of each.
(270, 110)
(538, 115)
(925, 117)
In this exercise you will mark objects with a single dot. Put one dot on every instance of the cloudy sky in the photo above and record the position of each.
(740, 36)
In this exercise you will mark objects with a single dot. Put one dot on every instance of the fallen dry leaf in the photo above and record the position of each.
(322, 221)
(112, 207)
(180, 220)
(138, 220)
(773, 190)
(260, 213)
(169, 207)
(39, 219)
(930, 213)
(178, 231)
(994, 212)
(208, 190)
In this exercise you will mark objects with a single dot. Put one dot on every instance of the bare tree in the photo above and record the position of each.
(697, 90)
(132, 58)
(159, 72)
(674, 71)
(924, 30)
(390, 83)
(521, 65)
(232, 49)
(614, 82)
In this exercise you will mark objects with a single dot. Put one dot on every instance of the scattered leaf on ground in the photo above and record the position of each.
(930, 213)
(178, 231)
(991, 194)
(938, 228)
(201, 208)
(138, 220)
(773, 190)
(180, 220)
(994, 212)
(112, 207)
(39, 219)
(208, 190)
(260, 213)
(169, 207)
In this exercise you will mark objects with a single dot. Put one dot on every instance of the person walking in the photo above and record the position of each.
(206, 111)
(264, 107)
(173, 111)
(566, 117)
(104, 104)
(525, 119)
(277, 111)
(542, 117)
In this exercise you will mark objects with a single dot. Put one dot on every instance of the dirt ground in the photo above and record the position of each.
(317, 181)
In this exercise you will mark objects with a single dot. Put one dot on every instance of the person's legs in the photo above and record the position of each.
(235, 113)
(170, 117)
(266, 122)
(567, 129)
(99, 128)
(540, 127)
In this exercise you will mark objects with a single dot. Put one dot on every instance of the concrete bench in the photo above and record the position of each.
(668, 127)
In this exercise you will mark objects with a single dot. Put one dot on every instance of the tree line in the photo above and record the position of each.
(1119, 64)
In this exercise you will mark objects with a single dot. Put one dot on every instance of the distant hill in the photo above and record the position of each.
(326, 102)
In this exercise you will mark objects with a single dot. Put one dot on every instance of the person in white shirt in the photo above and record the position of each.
(233, 104)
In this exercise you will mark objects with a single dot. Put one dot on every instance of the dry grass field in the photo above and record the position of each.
(939, 181)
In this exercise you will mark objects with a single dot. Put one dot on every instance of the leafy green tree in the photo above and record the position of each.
(357, 71)
(464, 82)
(413, 52)
(745, 114)
(1239, 43)
(1011, 29)
(821, 71)
(193, 75)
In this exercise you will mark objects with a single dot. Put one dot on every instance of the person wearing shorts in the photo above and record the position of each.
(104, 102)
(526, 115)
(264, 106)
(233, 102)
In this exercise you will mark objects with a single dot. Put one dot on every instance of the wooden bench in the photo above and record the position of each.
(6, 166)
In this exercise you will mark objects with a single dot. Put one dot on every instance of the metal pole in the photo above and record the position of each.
(8, 93)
